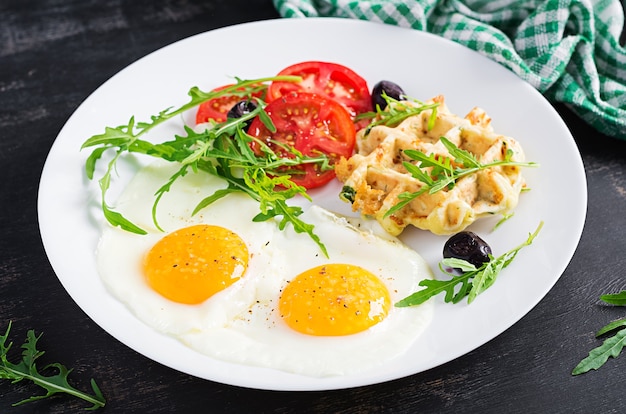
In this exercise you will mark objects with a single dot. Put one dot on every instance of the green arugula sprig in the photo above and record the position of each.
(27, 369)
(397, 111)
(443, 172)
(472, 282)
(613, 345)
(223, 150)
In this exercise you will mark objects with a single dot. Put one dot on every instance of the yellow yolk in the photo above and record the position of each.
(193, 263)
(334, 299)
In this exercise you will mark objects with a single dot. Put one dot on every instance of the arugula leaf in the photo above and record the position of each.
(397, 111)
(126, 133)
(612, 346)
(455, 290)
(620, 323)
(348, 194)
(223, 150)
(618, 299)
(113, 217)
(26, 369)
(443, 172)
(164, 189)
(273, 204)
(471, 282)
(213, 198)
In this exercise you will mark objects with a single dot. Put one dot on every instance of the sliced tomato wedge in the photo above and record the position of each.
(311, 124)
(216, 109)
(330, 80)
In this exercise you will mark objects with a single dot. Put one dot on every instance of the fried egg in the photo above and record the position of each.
(248, 293)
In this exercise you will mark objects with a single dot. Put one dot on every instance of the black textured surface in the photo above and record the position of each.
(53, 54)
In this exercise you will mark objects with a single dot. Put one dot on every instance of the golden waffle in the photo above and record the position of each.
(376, 175)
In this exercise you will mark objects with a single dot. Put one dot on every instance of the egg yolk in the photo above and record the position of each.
(333, 300)
(192, 264)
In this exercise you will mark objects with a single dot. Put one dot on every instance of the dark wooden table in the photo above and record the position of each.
(54, 53)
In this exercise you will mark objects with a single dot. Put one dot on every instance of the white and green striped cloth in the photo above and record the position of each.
(569, 50)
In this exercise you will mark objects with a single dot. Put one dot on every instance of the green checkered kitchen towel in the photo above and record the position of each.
(569, 50)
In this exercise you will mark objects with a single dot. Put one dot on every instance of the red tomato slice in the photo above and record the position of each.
(216, 109)
(311, 124)
(331, 80)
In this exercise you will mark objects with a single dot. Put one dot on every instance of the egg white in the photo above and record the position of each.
(241, 324)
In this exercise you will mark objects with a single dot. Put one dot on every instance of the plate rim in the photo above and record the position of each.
(324, 385)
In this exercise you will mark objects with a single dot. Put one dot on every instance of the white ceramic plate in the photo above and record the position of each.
(425, 66)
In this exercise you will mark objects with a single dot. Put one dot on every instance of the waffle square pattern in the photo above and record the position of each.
(375, 176)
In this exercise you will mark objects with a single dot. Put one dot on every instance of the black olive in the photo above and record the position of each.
(348, 193)
(391, 89)
(467, 246)
(241, 108)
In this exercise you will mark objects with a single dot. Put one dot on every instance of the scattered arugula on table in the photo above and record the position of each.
(471, 282)
(613, 345)
(444, 173)
(26, 369)
(222, 150)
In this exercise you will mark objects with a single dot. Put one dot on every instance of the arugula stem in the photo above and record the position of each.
(198, 97)
(51, 387)
(26, 369)
(445, 174)
(397, 111)
(472, 282)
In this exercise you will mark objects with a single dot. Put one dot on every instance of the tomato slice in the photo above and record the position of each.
(313, 125)
(217, 108)
(330, 80)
